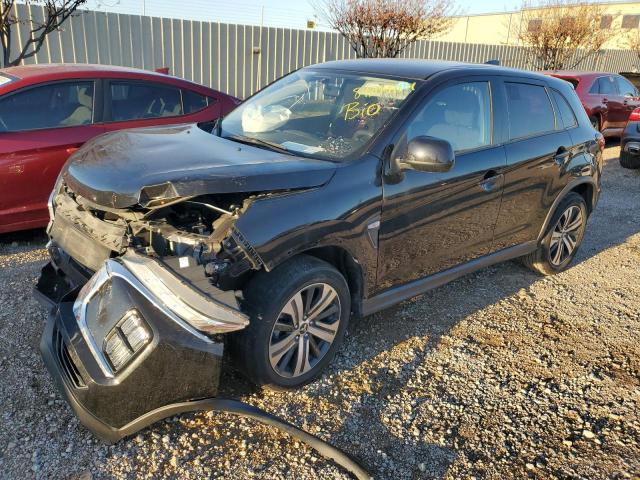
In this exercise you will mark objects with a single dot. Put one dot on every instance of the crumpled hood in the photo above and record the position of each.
(130, 167)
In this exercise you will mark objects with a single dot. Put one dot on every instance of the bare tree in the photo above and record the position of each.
(384, 28)
(56, 12)
(563, 33)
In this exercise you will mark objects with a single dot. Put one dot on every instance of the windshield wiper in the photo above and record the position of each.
(259, 142)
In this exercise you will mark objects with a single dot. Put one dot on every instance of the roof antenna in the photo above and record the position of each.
(494, 61)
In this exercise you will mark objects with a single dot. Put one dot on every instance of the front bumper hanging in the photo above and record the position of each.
(176, 368)
(131, 342)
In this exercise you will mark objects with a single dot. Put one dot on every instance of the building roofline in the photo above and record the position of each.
(512, 12)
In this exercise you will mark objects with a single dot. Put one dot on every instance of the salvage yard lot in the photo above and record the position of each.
(500, 374)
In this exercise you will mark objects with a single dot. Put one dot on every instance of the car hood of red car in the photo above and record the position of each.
(152, 166)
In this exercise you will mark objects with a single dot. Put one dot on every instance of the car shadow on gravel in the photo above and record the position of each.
(381, 351)
(378, 360)
(35, 236)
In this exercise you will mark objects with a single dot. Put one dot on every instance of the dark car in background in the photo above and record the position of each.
(607, 98)
(48, 111)
(630, 142)
(337, 191)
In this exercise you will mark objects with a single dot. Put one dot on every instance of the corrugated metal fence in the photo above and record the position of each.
(241, 59)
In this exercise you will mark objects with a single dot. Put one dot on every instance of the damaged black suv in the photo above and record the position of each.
(335, 192)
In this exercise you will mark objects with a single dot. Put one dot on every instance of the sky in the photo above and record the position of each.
(286, 13)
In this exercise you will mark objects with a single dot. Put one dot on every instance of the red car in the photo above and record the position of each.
(48, 111)
(608, 98)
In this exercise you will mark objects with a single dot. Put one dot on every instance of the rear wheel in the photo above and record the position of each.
(561, 243)
(298, 316)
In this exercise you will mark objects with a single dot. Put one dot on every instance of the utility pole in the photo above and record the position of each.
(144, 7)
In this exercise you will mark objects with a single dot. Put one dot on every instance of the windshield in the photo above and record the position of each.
(327, 115)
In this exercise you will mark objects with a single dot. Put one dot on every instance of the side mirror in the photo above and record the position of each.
(428, 154)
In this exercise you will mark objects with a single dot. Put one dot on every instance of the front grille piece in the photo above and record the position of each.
(64, 359)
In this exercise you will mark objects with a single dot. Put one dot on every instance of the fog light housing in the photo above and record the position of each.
(126, 339)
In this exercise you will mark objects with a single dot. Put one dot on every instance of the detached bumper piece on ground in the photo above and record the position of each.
(123, 360)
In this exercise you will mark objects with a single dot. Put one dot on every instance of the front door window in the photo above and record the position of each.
(48, 106)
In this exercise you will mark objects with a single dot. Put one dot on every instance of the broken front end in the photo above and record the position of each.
(140, 298)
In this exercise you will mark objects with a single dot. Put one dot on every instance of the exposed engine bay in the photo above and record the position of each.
(195, 237)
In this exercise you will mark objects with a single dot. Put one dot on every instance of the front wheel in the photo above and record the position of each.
(560, 245)
(595, 122)
(298, 316)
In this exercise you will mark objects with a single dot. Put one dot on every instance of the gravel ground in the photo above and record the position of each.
(501, 374)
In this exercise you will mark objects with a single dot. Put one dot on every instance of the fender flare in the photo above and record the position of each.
(563, 193)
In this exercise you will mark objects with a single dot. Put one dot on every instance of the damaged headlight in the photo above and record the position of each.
(183, 300)
(178, 301)
(126, 339)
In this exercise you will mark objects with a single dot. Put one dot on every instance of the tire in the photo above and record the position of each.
(545, 259)
(629, 161)
(271, 298)
(595, 121)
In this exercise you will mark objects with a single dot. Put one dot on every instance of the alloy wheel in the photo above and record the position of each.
(304, 330)
(565, 235)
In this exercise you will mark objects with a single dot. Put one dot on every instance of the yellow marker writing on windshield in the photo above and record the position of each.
(397, 91)
(356, 110)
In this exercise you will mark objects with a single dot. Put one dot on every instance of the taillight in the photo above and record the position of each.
(635, 115)
(600, 139)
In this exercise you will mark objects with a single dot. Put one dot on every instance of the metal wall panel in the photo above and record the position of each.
(241, 59)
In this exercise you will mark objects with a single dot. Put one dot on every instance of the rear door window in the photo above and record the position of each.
(607, 86)
(144, 100)
(55, 105)
(567, 115)
(530, 110)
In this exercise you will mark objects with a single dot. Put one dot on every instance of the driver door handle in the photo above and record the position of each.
(492, 181)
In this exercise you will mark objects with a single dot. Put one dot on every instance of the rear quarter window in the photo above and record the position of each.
(567, 115)
(194, 102)
(530, 110)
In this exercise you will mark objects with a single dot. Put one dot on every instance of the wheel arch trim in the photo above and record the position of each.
(347, 264)
(571, 186)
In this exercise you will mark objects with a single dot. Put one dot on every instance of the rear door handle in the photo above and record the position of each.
(492, 181)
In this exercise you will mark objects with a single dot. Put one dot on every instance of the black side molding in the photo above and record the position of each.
(409, 290)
